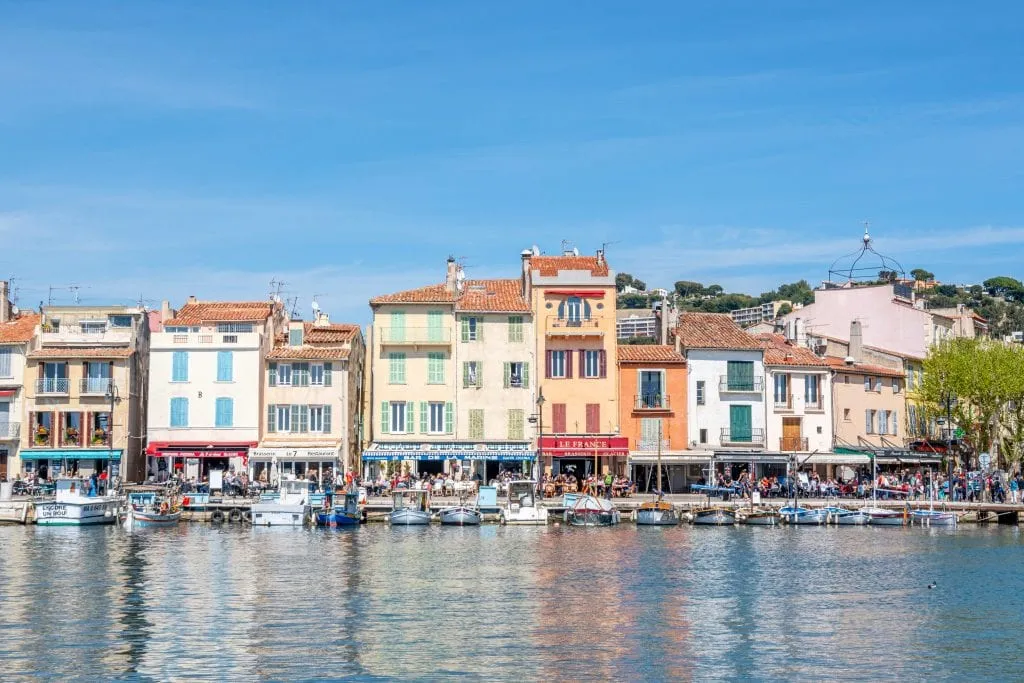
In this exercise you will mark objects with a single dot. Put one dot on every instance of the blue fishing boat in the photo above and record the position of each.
(147, 509)
(795, 514)
(346, 514)
(842, 516)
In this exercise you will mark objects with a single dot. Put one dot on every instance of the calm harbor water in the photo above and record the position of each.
(489, 603)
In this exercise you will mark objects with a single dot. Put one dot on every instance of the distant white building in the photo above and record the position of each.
(752, 316)
(635, 323)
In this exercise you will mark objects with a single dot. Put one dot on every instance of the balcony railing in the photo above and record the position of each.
(651, 402)
(792, 443)
(52, 386)
(415, 336)
(814, 405)
(10, 430)
(748, 437)
(785, 404)
(573, 328)
(738, 385)
(86, 334)
(94, 386)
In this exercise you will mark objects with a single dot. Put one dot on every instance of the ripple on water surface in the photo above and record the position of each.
(497, 603)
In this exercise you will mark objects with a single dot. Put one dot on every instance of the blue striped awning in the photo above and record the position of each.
(70, 454)
(446, 455)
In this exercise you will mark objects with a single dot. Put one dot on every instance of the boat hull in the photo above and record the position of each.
(851, 519)
(928, 518)
(460, 517)
(409, 518)
(336, 519)
(276, 514)
(592, 517)
(714, 518)
(895, 520)
(76, 514)
(655, 517)
(805, 518)
(760, 519)
(525, 516)
(150, 519)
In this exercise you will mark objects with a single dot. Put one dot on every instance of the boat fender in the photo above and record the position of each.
(235, 516)
(247, 516)
(217, 517)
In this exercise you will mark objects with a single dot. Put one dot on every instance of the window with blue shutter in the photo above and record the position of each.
(179, 412)
(225, 412)
(179, 366)
(5, 360)
(225, 366)
(327, 419)
(328, 367)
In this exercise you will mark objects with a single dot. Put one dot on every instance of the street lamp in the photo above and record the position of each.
(539, 419)
(114, 398)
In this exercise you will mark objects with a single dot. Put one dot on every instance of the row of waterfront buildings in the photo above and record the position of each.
(475, 376)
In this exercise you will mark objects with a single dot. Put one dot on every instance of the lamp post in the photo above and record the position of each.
(113, 397)
(539, 419)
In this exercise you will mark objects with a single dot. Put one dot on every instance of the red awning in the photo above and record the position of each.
(199, 449)
(584, 446)
(582, 293)
(4, 393)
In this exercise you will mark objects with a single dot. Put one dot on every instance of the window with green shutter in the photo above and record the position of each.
(328, 367)
(410, 417)
(449, 418)
(272, 375)
(472, 329)
(396, 367)
(271, 419)
(740, 375)
(476, 423)
(516, 427)
(423, 417)
(434, 329)
(385, 417)
(515, 328)
(435, 367)
(397, 331)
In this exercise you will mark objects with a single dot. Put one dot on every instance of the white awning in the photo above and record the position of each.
(676, 458)
(838, 459)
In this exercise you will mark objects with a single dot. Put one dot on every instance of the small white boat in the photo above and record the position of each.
(760, 518)
(72, 506)
(522, 507)
(714, 517)
(460, 515)
(933, 518)
(843, 517)
(657, 513)
(148, 510)
(884, 517)
(592, 511)
(290, 507)
(803, 516)
(411, 507)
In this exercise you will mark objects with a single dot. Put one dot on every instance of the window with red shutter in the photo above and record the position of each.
(558, 418)
(593, 418)
(604, 363)
(547, 364)
(568, 364)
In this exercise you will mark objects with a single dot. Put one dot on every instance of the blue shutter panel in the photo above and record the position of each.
(225, 366)
(327, 419)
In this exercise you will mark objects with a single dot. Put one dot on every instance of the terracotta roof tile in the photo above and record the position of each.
(640, 353)
(712, 331)
(431, 294)
(309, 353)
(492, 295)
(222, 311)
(335, 333)
(82, 352)
(549, 266)
(861, 368)
(19, 330)
(779, 351)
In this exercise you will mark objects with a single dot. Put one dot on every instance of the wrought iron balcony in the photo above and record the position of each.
(741, 385)
(792, 443)
(52, 386)
(565, 327)
(751, 437)
(10, 430)
(95, 386)
(415, 336)
(651, 402)
(651, 445)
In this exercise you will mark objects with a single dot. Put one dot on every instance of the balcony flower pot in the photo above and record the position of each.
(42, 435)
(99, 437)
(71, 436)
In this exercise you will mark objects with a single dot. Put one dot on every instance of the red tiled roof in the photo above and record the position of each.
(308, 353)
(712, 331)
(779, 351)
(335, 333)
(82, 352)
(640, 353)
(549, 266)
(222, 311)
(19, 330)
(492, 295)
(861, 368)
(431, 294)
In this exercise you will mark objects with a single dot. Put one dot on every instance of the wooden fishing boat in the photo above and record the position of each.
(714, 516)
(759, 517)
(657, 513)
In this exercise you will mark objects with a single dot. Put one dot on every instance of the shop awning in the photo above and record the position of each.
(500, 452)
(758, 458)
(839, 459)
(199, 449)
(690, 458)
(301, 454)
(71, 454)
(584, 446)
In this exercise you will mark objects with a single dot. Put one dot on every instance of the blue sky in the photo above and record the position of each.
(159, 149)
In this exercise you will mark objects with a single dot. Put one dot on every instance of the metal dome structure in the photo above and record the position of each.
(865, 265)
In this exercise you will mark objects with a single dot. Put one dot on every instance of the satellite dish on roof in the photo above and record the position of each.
(316, 307)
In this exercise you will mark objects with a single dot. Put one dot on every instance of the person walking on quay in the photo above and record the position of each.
(1014, 488)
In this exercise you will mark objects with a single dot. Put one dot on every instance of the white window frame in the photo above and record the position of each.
(316, 419)
(558, 361)
(283, 423)
(589, 356)
(314, 370)
(701, 392)
(282, 370)
(513, 375)
(399, 417)
(436, 417)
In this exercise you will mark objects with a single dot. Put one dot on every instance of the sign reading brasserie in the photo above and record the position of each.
(584, 446)
(294, 453)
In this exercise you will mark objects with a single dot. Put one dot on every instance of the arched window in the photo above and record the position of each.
(574, 309)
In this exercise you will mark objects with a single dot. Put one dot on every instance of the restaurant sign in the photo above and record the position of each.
(584, 446)
(294, 453)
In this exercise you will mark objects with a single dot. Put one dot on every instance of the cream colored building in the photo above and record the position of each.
(206, 385)
(85, 392)
(445, 393)
(312, 397)
(17, 339)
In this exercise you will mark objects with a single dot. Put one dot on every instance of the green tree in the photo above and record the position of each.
(639, 341)
(922, 275)
(1001, 285)
(632, 301)
(640, 284)
(799, 292)
(784, 309)
(713, 290)
(622, 280)
(947, 290)
(686, 288)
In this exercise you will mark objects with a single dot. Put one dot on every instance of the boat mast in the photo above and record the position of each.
(660, 493)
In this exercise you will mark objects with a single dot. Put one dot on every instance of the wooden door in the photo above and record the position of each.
(791, 439)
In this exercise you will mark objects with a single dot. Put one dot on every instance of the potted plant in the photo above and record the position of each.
(99, 436)
(71, 435)
(42, 435)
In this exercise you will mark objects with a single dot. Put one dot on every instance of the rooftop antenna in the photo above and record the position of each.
(316, 304)
(74, 292)
(275, 289)
(293, 307)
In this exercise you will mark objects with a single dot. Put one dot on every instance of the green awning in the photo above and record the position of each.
(70, 454)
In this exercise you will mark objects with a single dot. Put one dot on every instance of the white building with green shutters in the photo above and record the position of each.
(452, 378)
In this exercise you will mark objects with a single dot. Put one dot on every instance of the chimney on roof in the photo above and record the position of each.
(451, 278)
(799, 332)
(600, 256)
(322, 319)
(526, 255)
(191, 299)
(165, 311)
(5, 302)
(856, 350)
